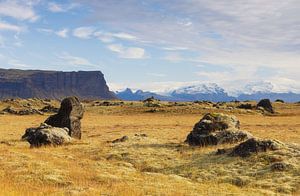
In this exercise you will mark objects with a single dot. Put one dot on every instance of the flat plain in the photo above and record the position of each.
(154, 160)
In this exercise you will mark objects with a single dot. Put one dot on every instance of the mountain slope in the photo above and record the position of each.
(212, 92)
(129, 95)
(209, 92)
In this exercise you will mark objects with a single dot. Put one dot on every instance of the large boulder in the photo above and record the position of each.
(46, 135)
(216, 128)
(69, 115)
(266, 105)
(254, 145)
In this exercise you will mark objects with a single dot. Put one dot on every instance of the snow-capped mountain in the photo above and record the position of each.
(213, 92)
(258, 87)
(209, 88)
(266, 89)
(209, 91)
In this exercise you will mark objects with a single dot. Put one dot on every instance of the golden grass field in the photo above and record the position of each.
(159, 164)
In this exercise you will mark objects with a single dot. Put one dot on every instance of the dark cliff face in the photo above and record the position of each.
(53, 84)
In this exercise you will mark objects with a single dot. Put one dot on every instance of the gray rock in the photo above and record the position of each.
(27, 111)
(279, 166)
(246, 106)
(69, 115)
(49, 108)
(266, 105)
(216, 128)
(254, 146)
(46, 135)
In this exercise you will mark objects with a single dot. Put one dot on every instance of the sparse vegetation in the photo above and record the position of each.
(153, 159)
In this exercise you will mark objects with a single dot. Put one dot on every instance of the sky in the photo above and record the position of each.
(158, 44)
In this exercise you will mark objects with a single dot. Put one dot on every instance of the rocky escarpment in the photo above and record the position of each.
(53, 84)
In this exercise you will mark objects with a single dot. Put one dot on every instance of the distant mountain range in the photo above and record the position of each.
(92, 85)
(209, 92)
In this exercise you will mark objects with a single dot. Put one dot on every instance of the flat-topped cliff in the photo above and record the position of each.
(53, 84)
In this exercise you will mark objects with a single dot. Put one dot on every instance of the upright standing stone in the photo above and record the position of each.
(69, 115)
(266, 105)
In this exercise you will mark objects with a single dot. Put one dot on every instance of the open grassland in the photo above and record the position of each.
(155, 160)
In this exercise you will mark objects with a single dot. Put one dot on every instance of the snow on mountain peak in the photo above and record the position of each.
(258, 87)
(207, 88)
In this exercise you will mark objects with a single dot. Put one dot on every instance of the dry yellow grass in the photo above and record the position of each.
(159, 164)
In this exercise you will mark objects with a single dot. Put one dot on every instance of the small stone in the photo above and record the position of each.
(279, 166)
(122, 139)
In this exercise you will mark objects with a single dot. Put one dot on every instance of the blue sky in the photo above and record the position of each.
(158, 44)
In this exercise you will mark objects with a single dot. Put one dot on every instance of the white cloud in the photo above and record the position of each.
(2, 41)
(44, 30)
(108, 37)
(128, 53)
(104, 37)
(55, 7)
(62, 33)
(242, 35)
(18, 10)
(174, 48)
(9, 27)
(17, 64)
(124, 36)
(83, 32)
(75, 60)
(157, 74)
(173, 57)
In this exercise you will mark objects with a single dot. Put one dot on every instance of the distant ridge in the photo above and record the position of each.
(208, 92)
(16, 83)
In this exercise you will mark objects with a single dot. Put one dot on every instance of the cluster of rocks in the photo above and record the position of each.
(218, 128)
(254, 145)
(56, 127)
(27, 111)
(151, 102)
(108, 103)
(263, 105)
(49, 109)
(246, 106)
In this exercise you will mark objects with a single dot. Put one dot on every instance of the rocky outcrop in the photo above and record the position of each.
(246, 106)
(216, 128)
(254, 145)
(69, 115)
(53, 84)
(27, 111)
(46, 135)
(266, 105)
